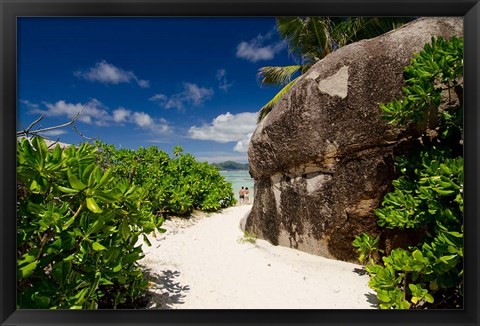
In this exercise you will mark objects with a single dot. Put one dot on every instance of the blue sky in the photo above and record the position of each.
(148, 81)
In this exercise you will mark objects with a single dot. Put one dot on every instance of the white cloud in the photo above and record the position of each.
(158, 97)
(143, 83)
(94, 112)
(142, 119)
(242, 145)
(228, 128)
(55, 132)
(195, 94)
(107, 73)
(191, 94)
(29, 104)
(223, 83)
(120, 115)
(256, 49)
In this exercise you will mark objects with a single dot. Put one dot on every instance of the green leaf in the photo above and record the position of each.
(111, 254)
(67, 190)
(57, 153)
(429, 298)
(27, 270)
(105, 281)
(75, 183)
(88, 174)
(41, 150)
(105, 197)
(98, 247)
(433, 285)
(95, 284)
(42, 302)
(107, 176)
(97, 226)
(278, 76)
(28, 257)
(61, 270)
(92, 205)
(361, 257)
(118, 267)
(404, 304)
(28, 151)
(80, 296)
(383, 296)
(147, 242)
(443, 192)
(417, 255)
(446, 259)
(124, 230)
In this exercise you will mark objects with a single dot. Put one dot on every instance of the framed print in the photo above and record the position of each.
(239, 162)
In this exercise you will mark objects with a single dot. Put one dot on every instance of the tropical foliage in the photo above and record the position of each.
(81, 213)
(77, 230)
(174, 186)
(428, 195)
(310, 39)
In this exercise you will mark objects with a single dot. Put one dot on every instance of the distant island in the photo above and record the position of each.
(230, 165)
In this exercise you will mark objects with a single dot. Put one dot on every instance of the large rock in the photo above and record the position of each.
(323, 158)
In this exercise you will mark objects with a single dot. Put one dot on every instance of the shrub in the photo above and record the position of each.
(77, 229)
(428, 196)
(174, 186)
(367, 247)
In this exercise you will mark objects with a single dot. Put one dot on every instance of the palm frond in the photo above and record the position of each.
(292, 29)
(308, 37)
(269, 106)
(277, 76)
(353, 29)
(319, 30)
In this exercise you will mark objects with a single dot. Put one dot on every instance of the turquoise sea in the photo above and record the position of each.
(239, 179)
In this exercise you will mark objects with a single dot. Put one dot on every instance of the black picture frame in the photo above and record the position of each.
(11, 9)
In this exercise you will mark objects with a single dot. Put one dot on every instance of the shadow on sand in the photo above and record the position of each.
(371, 298)
(360, 271)
(164, 292)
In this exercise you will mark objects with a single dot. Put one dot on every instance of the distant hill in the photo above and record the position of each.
(230, 165)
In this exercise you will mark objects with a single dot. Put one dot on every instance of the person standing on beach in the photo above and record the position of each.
(246, 199)
(241, 196)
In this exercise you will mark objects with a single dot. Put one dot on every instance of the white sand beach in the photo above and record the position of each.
(200, 263)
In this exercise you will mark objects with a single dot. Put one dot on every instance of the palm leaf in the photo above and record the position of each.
(269, 106)
(353, 29)
(319, 34)
(308, 37)
(292, 29)
(277, 76)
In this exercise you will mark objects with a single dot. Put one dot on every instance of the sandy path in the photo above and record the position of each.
(202, 264)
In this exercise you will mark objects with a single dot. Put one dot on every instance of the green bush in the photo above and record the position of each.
(174, 186)
(428, 196)
(77, 230)
(367, 247)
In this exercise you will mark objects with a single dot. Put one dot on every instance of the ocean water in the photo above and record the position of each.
(239, 179)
